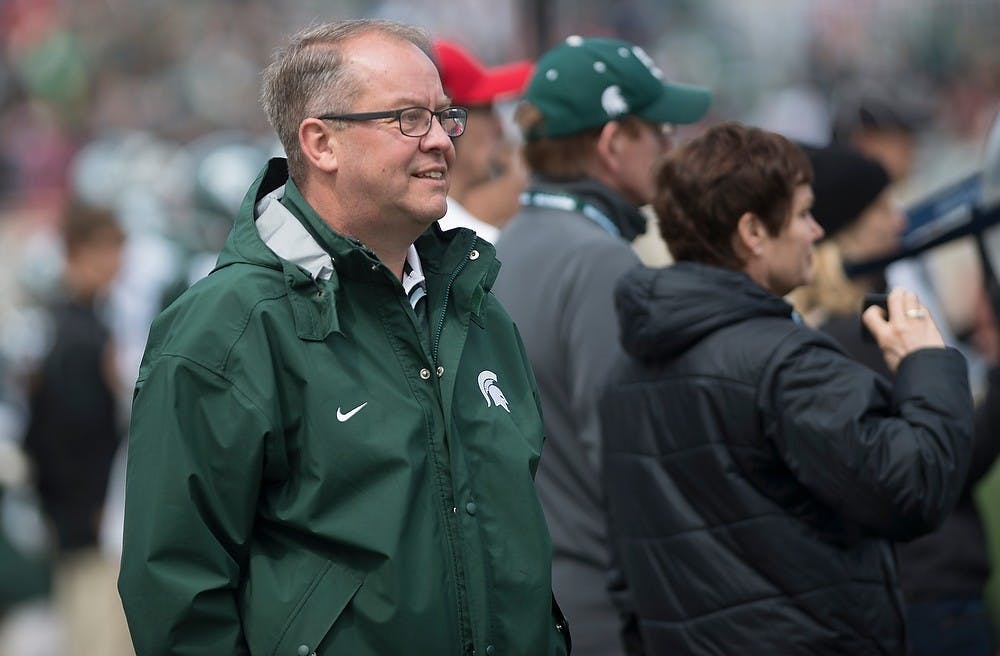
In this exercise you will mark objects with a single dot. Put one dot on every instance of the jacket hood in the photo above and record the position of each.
(663, 311)
(316, 275)
(245, 244)
(349, 256)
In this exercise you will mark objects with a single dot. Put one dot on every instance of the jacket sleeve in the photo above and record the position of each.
(890, 458)
(195, 466)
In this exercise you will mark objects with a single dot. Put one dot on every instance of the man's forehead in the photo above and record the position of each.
(395, 70)
(402, 97)
(382, 52)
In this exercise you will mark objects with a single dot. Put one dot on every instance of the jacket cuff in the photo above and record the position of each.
(930, 367)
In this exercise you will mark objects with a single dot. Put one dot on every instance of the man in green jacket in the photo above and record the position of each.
(334, 435)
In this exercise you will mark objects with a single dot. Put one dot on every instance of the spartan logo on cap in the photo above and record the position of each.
(491, 391)
(614, 102)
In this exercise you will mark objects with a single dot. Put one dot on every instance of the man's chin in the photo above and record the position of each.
(430, 214)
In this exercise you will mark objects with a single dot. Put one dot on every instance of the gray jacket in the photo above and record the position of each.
(560, 267)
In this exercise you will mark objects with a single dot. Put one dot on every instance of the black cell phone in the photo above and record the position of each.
(881, 300)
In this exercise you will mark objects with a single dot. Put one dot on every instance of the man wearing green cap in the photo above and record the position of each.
(596, 118)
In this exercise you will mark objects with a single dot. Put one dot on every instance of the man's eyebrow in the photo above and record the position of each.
(441, 104)
(410, 101)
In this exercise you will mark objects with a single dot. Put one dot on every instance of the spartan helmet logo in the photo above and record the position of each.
(491, 392)
(614, 102)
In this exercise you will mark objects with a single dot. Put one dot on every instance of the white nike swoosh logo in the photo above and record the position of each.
(344, 416)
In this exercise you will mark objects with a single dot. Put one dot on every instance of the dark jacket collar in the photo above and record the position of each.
(626, 217)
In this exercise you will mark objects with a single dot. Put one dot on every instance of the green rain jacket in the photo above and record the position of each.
(307, 473)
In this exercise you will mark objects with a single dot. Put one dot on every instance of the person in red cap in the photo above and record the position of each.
(488, 176)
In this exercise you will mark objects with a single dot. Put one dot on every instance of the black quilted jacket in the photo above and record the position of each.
(755, 474)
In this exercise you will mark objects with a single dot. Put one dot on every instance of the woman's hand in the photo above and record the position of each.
(909, 327)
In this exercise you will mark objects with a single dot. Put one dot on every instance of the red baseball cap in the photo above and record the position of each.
(470, 83)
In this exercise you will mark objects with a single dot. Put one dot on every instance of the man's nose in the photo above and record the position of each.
(436, 138)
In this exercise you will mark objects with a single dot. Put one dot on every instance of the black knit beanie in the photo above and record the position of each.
(845, 182)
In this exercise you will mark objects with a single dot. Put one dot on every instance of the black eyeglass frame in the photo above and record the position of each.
(461, 118)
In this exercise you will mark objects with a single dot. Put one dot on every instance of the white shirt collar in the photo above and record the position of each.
(459, 217)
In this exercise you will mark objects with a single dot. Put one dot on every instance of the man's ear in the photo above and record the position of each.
(750, 236)
(319, 144)
(609, 143)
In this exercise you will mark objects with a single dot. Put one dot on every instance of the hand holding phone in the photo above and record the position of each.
(879, 300)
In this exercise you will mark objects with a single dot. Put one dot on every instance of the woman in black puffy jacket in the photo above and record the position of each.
(755, 474)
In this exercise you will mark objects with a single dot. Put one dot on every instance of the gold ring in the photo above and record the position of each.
(916, 313)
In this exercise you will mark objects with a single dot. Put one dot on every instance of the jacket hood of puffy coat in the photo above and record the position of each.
(663, 311)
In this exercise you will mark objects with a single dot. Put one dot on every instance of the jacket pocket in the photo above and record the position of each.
(320, 607)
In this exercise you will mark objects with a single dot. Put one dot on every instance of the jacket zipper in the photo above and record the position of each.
(450, 508)
(436, 345)
(458, 558)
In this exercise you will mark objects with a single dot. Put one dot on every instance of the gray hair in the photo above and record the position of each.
(306, 78)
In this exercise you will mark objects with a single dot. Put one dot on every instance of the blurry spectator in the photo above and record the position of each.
(881, 121)
(24, 572)
(73, 433)
(596, 118)
(944, 574)
(755, 474)
(488, 176)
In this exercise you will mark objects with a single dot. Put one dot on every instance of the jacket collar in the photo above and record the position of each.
(289, 239)
(321, 258)
(629, 221)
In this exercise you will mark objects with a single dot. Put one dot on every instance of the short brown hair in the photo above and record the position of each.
(306, 78)
(706, 185)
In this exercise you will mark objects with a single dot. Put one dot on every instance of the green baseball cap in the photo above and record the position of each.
(585, 83)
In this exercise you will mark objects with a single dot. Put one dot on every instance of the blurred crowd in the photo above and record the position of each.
(150, 109)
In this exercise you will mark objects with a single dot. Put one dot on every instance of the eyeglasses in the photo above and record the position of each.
(413, 121)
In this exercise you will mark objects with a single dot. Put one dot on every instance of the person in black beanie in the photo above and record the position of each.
(847, 182)
(942, 574)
